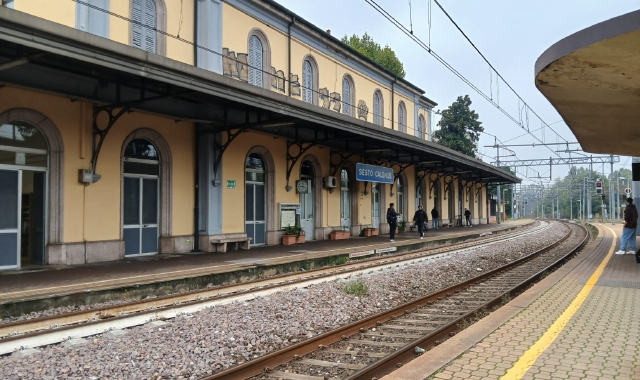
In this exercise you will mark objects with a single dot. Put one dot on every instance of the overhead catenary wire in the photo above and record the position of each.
(424, 46)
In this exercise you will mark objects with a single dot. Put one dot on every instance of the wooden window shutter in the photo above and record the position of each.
(150, 22)
(137, 30)
(307, 82)
(346, 96)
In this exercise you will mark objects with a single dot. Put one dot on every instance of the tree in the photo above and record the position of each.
(459, 127)
(385, 57)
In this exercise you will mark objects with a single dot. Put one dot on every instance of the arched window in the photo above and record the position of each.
(255, 199)
(419, 132)
(143, 30)
(309, 80)
(378, 108)
(402, 117)
(255, 61)
(348, 95)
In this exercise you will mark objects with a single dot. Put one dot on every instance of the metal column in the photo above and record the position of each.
(612, 212)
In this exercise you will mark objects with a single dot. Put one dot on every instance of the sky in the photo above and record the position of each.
(511, 35)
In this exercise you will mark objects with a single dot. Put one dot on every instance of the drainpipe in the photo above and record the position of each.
(293, 21)
(195, 34)
(393, 107)
(196, 209)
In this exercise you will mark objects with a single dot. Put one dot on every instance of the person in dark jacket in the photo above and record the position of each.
(392, 219)
(420, 220)
(629, 229)
(467, 216)
(435, 219)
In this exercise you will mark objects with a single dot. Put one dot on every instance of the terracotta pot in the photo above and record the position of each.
(291, 239)
(339, 235)
(368, 232)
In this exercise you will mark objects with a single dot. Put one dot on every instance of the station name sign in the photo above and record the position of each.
(372, 173)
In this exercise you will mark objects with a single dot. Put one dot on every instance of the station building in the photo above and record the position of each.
(158, 126)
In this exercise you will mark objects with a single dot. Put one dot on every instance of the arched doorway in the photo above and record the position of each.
(375, 205)
(419, 197)
(345, 199)
(141, 198)
(400, 199)
(24, 162)
(307, 201)
(451, 203)
(481, 205)
(255, 199)
(472, 202)
(436, 196)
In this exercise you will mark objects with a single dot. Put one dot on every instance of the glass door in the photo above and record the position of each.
(375, 205)
(10, 183)
(255, 207)
(306, 213)
(345, 200)
(140, 215)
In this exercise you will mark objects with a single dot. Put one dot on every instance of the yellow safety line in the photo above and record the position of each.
(529, 357)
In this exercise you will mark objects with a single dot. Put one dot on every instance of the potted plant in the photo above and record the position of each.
(370, 231)
(402, 226)
(293, 235)
(340, 234)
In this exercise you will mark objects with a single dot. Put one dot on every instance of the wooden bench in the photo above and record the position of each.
(234, 243)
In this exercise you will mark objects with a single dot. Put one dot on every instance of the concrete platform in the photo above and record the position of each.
(580, 322)
(38, 288)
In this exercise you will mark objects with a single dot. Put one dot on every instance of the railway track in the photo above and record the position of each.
(58, 328)
(376, 345)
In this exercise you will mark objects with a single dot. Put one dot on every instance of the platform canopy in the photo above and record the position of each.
(592, 78)
(45, 56)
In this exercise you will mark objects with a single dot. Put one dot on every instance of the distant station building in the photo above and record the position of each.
(158, 126)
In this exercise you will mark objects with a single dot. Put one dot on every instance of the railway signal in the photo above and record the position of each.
(598, 187)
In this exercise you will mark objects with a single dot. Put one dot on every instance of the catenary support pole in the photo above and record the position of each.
(498, 213)
(612, 212)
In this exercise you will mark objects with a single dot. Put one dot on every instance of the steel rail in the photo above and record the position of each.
(57, 335)
(266, 363)
(406, 353)
(16, 330)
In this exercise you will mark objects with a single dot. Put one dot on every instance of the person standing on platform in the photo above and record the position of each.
(435, 222)
(392, 219)
(420, 220)
(629, 230)
(467, 216)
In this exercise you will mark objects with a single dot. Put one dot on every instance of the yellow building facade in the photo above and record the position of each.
(196, 125)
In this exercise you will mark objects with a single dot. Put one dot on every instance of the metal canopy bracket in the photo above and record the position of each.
(432, 182)
(114, 112)
(403, 167)
(467, 188)
(298, 149)
(448, 180)
(336, 161)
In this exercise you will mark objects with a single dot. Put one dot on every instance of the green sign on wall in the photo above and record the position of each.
(231, 184)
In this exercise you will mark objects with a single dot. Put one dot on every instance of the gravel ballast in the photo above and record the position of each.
(190, 347)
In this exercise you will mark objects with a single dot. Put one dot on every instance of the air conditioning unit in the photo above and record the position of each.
(330, 182)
